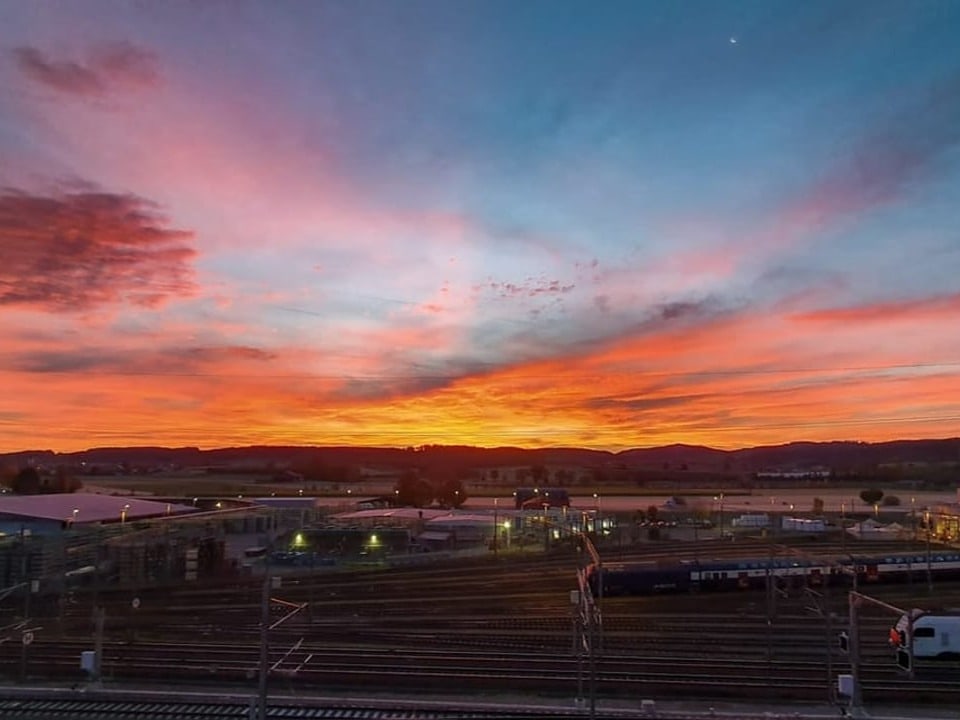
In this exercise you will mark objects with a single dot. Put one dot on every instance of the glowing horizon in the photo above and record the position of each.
(550, 225)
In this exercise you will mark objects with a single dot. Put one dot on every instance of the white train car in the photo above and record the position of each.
(935, 637)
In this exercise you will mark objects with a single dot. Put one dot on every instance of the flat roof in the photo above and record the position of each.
(89, 507)
(403, 513)
(462, 519)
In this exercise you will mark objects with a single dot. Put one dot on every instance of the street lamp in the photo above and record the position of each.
(76, 511)
(913, 514)
(719, 500)
(123, 513)
(843, 528)
(598, 515)
(926, 522)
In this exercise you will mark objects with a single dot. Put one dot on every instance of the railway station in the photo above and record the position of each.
(183, 586)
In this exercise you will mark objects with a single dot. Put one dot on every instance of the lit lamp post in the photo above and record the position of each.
(496, 526)
(597, 521)
(123, 513)
(843, 528)
(721, 516)
(76, 511)
(719, 500)
(926, 522)
(913, 514)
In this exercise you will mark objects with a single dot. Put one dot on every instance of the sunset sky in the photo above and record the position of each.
(382, 222)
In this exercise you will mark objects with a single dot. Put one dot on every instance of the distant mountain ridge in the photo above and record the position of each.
(795, 455)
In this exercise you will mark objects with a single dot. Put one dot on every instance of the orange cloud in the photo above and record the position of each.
(939, 307)
(768, 380)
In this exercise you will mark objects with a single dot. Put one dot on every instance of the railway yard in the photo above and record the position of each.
(485, 626)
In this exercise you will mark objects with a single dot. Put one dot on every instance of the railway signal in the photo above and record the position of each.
(904, 659)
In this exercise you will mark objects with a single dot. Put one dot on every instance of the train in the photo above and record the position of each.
(935, 636)
(651, 578)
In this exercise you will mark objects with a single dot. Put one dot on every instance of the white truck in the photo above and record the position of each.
(935, 636)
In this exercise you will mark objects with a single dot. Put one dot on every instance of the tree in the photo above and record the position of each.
(451, 493)
(891, 501)
(871, 496)
(26, 481)
(413, 490)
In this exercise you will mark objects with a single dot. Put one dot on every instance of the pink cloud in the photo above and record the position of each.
(75, 251)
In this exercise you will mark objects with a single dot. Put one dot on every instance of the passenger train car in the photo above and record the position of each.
(743, 574)
(935, 636)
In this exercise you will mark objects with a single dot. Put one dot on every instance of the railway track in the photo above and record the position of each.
(350, 667)
(38, 708)
(505, 626)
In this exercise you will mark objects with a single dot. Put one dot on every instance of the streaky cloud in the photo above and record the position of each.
(938, 306)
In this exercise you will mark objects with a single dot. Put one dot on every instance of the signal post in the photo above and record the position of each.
(850, 643)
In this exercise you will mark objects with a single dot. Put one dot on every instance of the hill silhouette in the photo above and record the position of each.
(796, 455)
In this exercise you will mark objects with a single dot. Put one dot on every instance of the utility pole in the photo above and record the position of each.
(853, 630)
(843, 528)
(589, 625)
(27, 590)
(822, 611)
(99, 617)
(855, 600)
(264, 637)
(496, 527)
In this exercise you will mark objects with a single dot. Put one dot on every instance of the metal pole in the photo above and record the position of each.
(828, 646)
(721, 515)
(929, 569)
(771, 596)
(856, 698)
(843, 528)
(100, 616)
(26, 600)
(264, 637)
(591, 633)
(496, 527)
